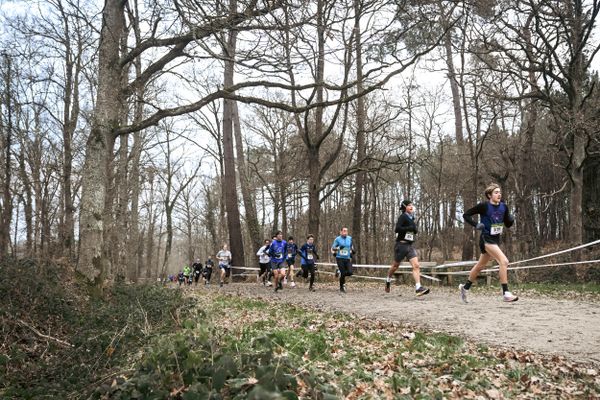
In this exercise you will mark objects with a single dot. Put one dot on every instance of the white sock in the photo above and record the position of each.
(388, 279)
(417, 286)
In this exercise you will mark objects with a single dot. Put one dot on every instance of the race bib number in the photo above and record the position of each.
(309, 256)
(496, 229)
(344, 252)
(409, 236)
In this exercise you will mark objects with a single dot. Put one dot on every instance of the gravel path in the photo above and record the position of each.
(542, 324)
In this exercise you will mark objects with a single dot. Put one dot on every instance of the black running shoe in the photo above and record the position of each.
(388, 286)
(422, 291)
(221, 284)
(311, 289)
(343, 289)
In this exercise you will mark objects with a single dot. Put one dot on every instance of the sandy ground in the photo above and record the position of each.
(540, 324)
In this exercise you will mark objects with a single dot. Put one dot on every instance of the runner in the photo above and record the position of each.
(180, 278)
(494, 216)
(343, 250)
(224, 257)
(264, 262)
(208, 270)
(292, 251)
(277, 253)
(197, 267)
(308, 255)
(187, 274)
(406, 229)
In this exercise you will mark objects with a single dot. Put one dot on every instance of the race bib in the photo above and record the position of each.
(344, 252)
(289, 255)
(409, 236)
(496, 229)
(309, 256)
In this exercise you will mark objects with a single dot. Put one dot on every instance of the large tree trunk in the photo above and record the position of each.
(230, 187)
(524, 202)
(314, 169)
(70, 116)
(93, 263)
(247, 194)
(357, 209)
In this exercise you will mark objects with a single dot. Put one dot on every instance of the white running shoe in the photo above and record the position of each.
(292, 284)
(269, 283)
(509, 297)
(463, 293)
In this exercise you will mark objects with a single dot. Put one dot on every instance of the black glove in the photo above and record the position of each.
(480, 226)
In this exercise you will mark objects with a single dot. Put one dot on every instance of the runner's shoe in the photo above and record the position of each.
(293, 284)
(463, 293)
(311, 289)
(388, 286)
(343, 289)
(509, 297)
(269, 283)
(422, 291)
(221, 284)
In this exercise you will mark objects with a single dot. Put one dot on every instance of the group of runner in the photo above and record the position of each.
(277, 257)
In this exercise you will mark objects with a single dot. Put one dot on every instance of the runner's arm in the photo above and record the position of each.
(509, 219)
(478, 209)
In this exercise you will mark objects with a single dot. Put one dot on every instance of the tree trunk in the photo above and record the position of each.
(357, 208)
(314, 168)
(7, 204)
(247, 194)
(93, 262)
(230, 187)
(27, 202)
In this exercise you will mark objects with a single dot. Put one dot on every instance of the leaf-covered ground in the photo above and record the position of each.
(351, 357)
(148, 342)
(558, 323)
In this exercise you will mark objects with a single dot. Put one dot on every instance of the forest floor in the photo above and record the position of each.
(565, 324)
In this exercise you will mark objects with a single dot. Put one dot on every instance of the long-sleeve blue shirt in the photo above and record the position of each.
(308, 254)
(343, 246)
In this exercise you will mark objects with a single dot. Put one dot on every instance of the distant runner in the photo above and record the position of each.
(308, 256)
(343, 250)
(224, 257)
(277, 252)
(406, 231)
(264, 263)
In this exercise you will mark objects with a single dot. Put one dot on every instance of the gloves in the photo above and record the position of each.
(510, 219)
(480, 226)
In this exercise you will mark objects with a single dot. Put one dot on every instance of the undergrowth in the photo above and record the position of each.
(60, 342)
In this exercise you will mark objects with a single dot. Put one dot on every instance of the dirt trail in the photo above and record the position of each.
(565, 327)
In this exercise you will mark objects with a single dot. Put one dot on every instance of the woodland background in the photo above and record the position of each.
(139, 135)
